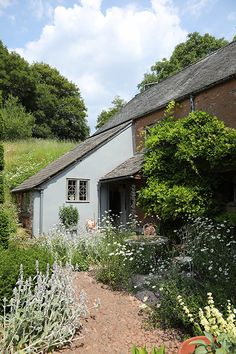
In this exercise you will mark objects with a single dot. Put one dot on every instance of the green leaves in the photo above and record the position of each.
(106, 115)
(143, 350)
(183, 163)
(184, 54)
(46, 95)
(17, 123)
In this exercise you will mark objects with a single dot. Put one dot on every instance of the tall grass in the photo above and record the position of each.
(24, 158)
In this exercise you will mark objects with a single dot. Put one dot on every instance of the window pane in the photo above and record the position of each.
(83, 190)
(71, 189)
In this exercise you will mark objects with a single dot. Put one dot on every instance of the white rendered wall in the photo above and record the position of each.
(93, 167)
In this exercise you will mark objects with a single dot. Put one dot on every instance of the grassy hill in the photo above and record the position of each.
(24, 158)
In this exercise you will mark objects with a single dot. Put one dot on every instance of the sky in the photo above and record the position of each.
(106, 46)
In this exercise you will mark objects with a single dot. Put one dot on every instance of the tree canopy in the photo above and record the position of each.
(54, 101)
(184, 54)
(59, 109)
(106, 115)
(183, 164)
(16, 122)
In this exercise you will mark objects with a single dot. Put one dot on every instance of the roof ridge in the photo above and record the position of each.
(67, 159)
(186, 67)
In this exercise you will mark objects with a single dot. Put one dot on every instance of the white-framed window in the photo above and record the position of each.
(77, 190)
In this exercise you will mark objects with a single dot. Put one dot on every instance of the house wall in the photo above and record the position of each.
(24, 201)
(219, 100)
(93, 167)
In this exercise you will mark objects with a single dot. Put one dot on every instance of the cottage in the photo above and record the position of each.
(103, 172)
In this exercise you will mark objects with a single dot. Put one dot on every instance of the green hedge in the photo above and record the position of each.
(11, 260)
(1, 174)
(5, 226)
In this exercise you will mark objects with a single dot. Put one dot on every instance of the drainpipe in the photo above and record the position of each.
(192, 104)
(99, 202)
(41, 213)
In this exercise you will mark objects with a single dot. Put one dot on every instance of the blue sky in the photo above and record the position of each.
(106, 46)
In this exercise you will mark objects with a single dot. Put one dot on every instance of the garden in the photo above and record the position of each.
(184, 276)
(40, 310)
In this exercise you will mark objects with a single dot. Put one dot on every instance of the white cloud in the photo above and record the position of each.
(41, 8)
(194, 7)
(107, 53)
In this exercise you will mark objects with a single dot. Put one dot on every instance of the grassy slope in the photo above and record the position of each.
(25, 158)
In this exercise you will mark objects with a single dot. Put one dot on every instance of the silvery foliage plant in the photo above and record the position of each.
(43, 312)
(60, 241)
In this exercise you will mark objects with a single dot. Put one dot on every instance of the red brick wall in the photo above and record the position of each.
(219, 100)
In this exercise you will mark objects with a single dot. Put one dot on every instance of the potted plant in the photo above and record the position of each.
(220, 332)
(189, 345)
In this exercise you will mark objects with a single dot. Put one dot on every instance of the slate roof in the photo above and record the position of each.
(79, 153)
(128, 168)
(215, 68)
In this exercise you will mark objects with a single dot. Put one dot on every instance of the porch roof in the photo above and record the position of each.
(127, 169)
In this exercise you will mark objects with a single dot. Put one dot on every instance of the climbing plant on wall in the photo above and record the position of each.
(183, 163)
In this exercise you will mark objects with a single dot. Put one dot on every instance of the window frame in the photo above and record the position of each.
(77, 186)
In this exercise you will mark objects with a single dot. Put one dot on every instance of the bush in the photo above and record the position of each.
(183, 161)
(65, 248)
(69, 216)
(11, 260)
(210, 252)
(42, 314)
(228, 217)
(120, 257)
(5, 228)
(18, 124)
(1, 174)
(212, 247)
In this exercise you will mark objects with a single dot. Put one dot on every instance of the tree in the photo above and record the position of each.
(183, 164)
(16, 78)
(17, 123)
(184, 54)
(106, 115)
(59, 109)
(54, 101)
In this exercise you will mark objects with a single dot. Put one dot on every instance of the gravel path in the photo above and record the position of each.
(116, 325)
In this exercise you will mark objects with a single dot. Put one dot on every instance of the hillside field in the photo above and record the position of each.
(26, 157)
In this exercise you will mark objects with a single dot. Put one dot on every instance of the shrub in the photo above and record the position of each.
(65, 248)
(121, 256)
(18, 124)
(1, 174)
(12, 258)
(42, 314)
(210, 249)
(69, 216)
(183, 161)
(4, 227)
(228, 217)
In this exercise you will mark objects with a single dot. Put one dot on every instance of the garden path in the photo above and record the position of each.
(116, 325)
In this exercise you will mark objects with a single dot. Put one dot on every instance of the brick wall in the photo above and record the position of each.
(219, 100)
